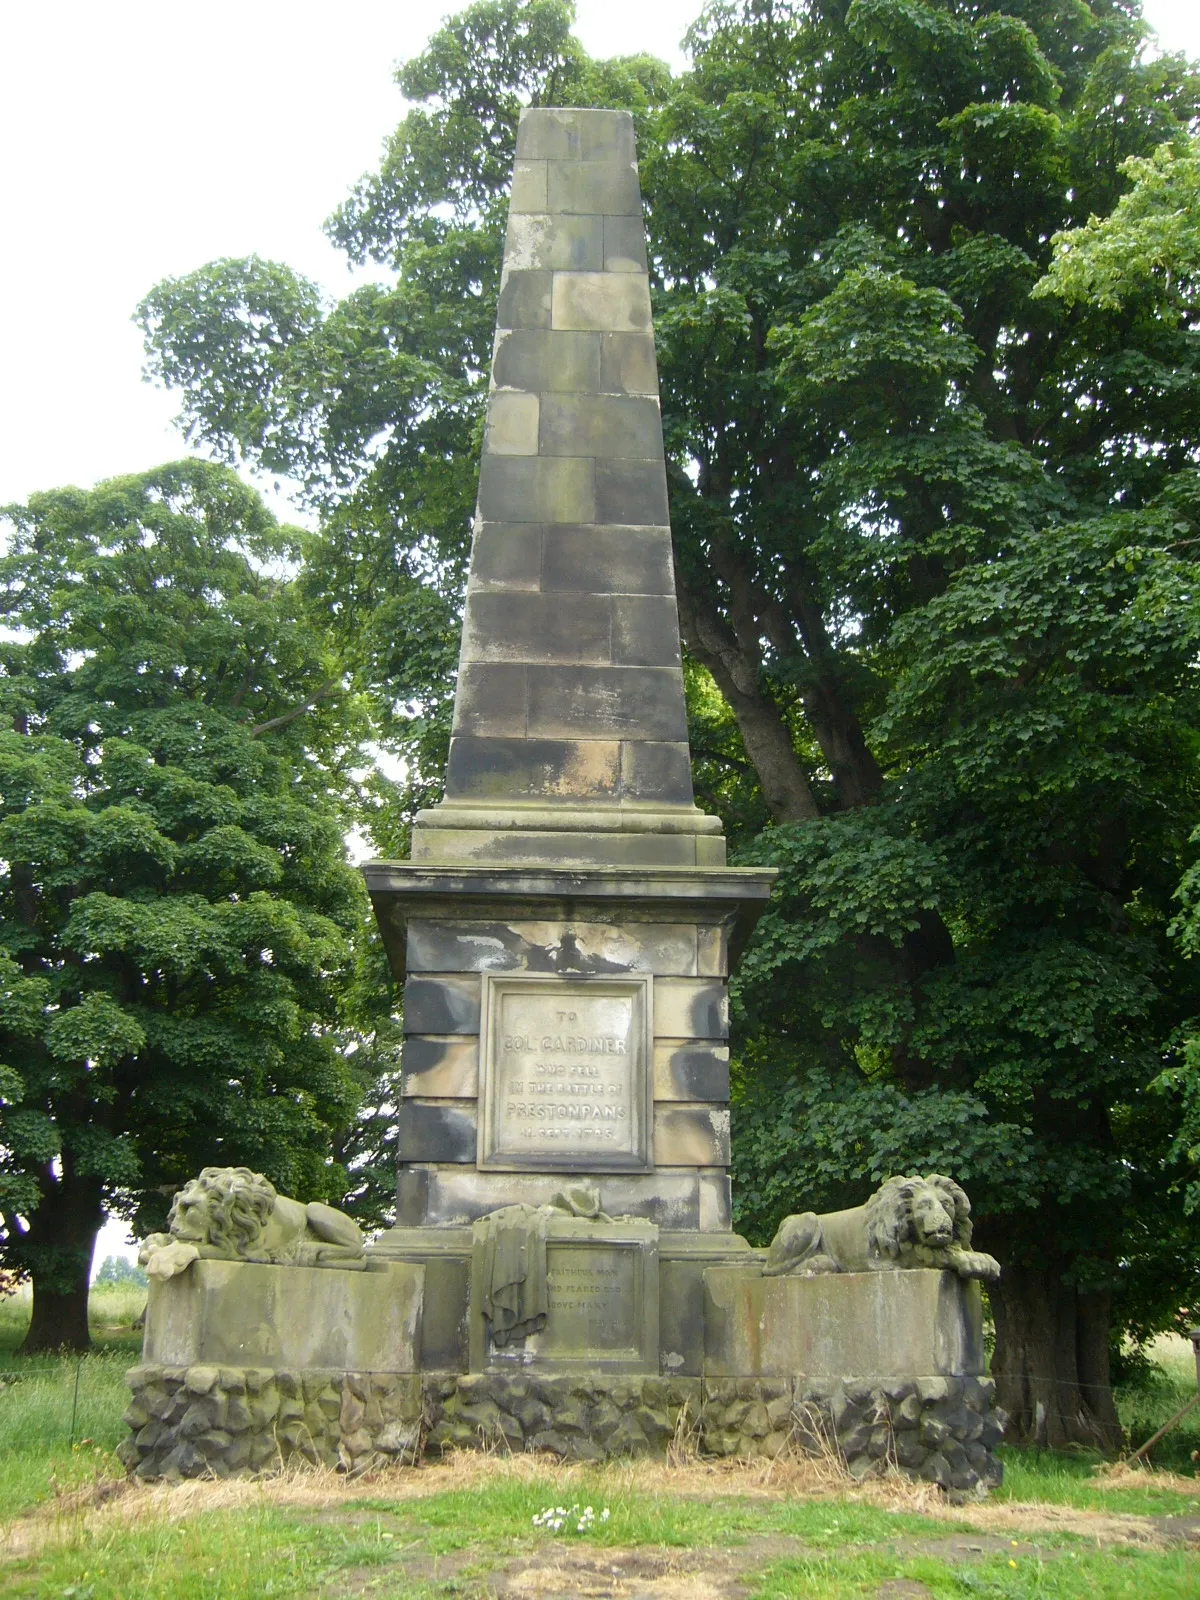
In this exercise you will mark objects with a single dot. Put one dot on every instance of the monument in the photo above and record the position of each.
(563, 1273)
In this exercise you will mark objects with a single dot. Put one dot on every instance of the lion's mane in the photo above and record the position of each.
(238, 1205)
(889, 1217)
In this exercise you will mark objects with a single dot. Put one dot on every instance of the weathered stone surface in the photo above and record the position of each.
(441, 1068)
(889, 1323)
(441, 1005)
(690, 1008)
(436, 1130)
(579, 947)
(565, 1073)
(691, 1135)
(686, 1070)
(603, 1306)
(227, 1313)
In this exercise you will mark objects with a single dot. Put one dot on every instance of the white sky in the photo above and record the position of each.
(142, 138)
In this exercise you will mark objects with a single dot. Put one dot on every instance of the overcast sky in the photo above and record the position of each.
(141, 138)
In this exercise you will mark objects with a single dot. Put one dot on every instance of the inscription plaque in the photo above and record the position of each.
(601, 1302)
(566, 1081)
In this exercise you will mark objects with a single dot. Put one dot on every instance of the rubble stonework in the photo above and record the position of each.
(208, 1421)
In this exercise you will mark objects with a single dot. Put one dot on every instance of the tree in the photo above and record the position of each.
(176, 911)
(921, 517)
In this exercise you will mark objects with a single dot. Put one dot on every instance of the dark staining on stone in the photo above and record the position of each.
(525, 300)
(436, 1131)
(441, 1005)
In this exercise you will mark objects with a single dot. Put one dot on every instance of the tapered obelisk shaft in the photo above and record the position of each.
(570, 732)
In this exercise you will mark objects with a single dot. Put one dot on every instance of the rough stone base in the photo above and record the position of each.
(207, 1420)
(943, 1430)
(584, 1418)
(192, 1422)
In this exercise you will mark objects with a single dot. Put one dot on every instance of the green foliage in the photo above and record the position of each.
(1146, 251)
(120, 1270)
(176, 912)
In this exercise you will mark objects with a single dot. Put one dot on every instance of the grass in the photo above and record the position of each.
(60, 1416)
(480, 1540)
(1061, 1526)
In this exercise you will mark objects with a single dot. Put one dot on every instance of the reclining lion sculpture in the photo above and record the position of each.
(233, 1214)
(908, 1222)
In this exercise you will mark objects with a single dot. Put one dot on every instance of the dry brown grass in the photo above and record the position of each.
(115, 1501)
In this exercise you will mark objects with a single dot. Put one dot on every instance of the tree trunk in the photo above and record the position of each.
(765, 733)
(1051, 1361)
(59, 1248)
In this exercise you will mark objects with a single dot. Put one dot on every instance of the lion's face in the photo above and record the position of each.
(191, 1214)
(225, 1208)
(932, 1223)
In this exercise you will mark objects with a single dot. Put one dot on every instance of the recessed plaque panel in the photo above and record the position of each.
(601, 1302)
(566, 1074)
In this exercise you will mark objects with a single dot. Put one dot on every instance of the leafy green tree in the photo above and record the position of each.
(176, 911)
(119, 1270)
(931, 537)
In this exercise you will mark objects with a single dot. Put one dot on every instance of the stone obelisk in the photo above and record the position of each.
(564, 924)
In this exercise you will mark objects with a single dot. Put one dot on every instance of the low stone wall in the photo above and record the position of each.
(584, 1419)
(943, 1430)
(189, 1422)
(209, 1420)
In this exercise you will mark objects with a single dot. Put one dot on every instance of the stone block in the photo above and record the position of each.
(711, 851)
(644, 630)
(619, 561)
(441, 1005)
(593, 188)
(600, 425)
(712, 952)
(525, 769)
(566, 850)
(554, 243)
(602, 1307)
(628, 364)
(690, 1008)
(441, 1069)
(551, 133)
(542, 489)
(506, 556)
(625, 243)
(892, 1324)
(491, 700)
(546, 362)
(605, 702)
(656, 770)
(436, 1130)
(565, 1073)
(525, 298)
(236, 1313)
(691, 1135)
(574, 629)
(685, 1070)
(457, 1195)
(606, 302)
(630, 492)
(715, 1200)
(471, 945)
(529, 188)
(512, 424)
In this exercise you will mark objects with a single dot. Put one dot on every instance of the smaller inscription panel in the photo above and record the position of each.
(566, 1082)
(601, 1302)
